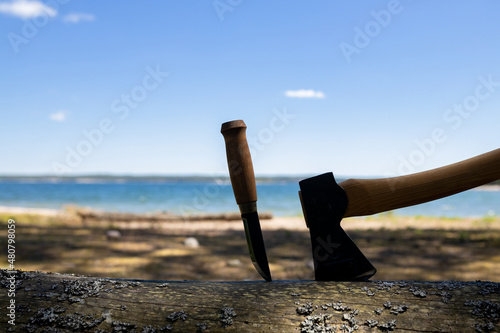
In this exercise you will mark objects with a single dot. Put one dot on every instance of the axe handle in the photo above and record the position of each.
(239, 162)
(371, 196)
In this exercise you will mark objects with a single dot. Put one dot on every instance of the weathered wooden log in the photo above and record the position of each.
(87, 215)
(49, 302)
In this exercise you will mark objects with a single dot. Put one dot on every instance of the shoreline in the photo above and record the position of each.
(30, 211)
(487, 188)
(387, 221)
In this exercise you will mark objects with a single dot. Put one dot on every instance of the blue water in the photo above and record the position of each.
(210, 195)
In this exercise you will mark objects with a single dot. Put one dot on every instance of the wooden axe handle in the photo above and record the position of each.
(371, 196)
(239, 161)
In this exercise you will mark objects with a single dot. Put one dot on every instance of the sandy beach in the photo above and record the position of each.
(30, 211)
(402, 248)
(381, 221)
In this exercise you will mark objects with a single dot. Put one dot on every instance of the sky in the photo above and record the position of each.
(373, 88)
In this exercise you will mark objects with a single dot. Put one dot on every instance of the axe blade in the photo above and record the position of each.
(336, 256)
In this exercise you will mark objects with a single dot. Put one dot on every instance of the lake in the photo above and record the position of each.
(202, 194)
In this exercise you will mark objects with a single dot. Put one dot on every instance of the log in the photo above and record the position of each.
(91, 215)
(51, 302)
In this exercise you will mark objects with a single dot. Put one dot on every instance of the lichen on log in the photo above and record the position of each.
(51, 302)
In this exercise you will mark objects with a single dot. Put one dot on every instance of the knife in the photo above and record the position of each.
(242, 177)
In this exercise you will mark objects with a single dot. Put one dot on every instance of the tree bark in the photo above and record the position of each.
(50, 302)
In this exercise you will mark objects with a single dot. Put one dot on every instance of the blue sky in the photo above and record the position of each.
(141, 87)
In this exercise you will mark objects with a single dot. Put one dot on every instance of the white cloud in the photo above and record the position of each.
(26, 9)
(78, 17)
(303, 93)
(59, 116)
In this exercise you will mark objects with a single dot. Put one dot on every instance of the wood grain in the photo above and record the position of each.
(239, 161)
(371, 196)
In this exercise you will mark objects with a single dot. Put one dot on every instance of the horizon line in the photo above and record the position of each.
(167, 175)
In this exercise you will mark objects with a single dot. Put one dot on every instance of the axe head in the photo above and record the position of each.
(336, 257)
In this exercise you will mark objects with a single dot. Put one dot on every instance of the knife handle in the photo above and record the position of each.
(240, 164)
(371, 196)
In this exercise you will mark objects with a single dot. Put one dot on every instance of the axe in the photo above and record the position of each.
(325, 203)
(243, 182)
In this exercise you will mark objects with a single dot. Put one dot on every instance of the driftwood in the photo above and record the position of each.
(90, 215)
(49, 302)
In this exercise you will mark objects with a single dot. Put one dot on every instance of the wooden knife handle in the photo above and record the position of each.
(371, 196)
(239, 161)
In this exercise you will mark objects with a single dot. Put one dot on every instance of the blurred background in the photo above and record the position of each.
(117, 106)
